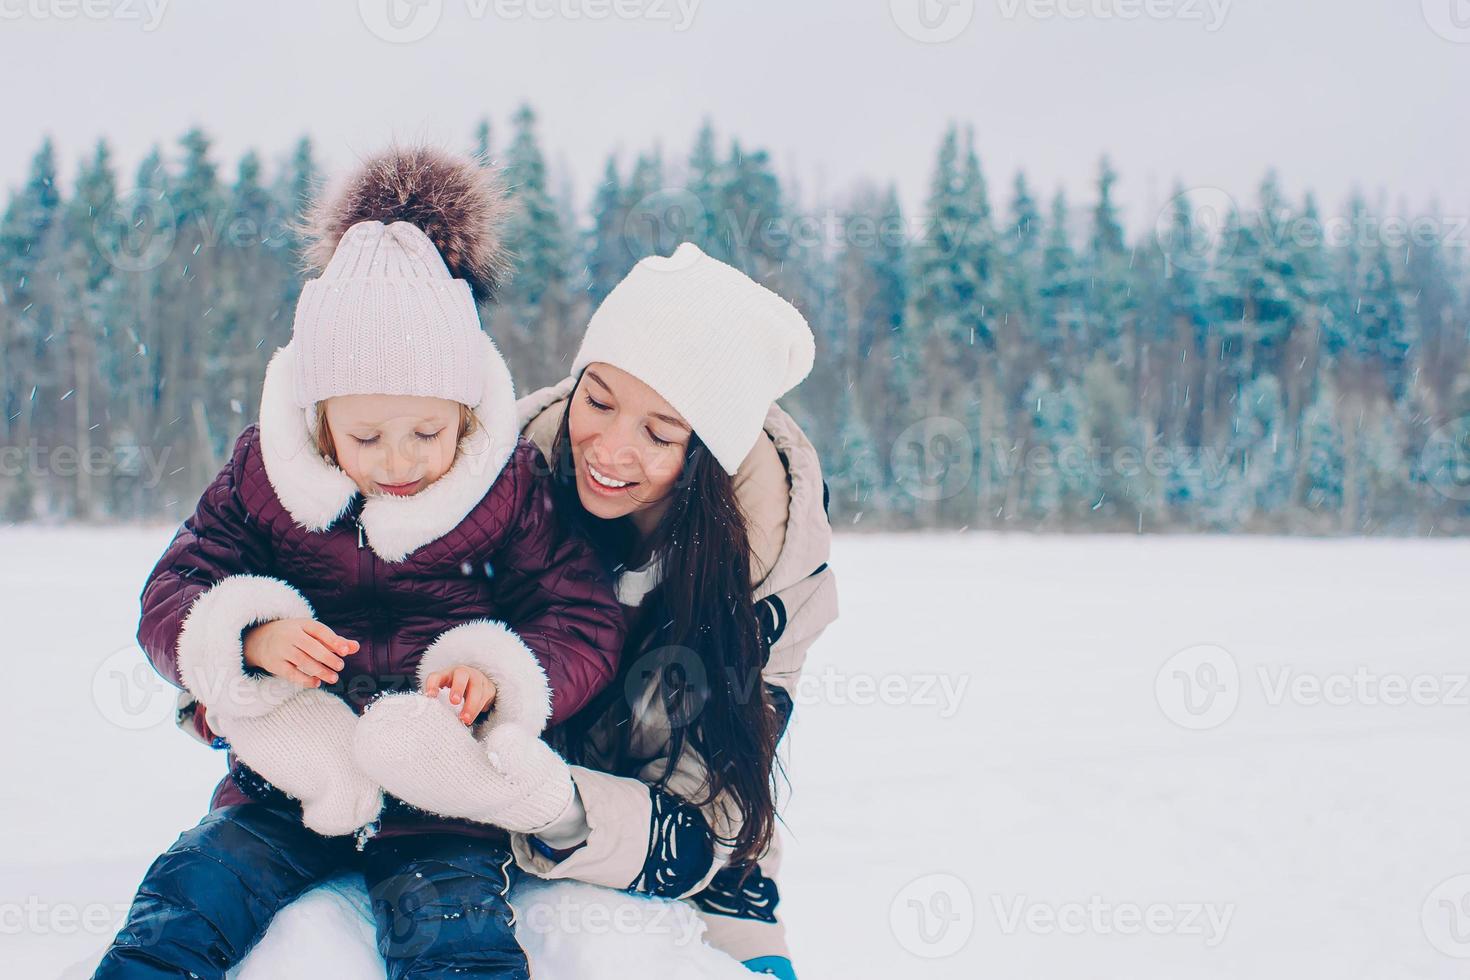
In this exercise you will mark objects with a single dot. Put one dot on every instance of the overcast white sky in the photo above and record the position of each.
(1333, 93)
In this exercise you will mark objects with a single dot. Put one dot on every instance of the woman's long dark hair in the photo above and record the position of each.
(700, 636)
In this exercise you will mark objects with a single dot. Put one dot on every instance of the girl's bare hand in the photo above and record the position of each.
(468, 687)
(302, 651)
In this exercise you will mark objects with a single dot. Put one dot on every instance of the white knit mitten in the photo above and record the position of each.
(304, 747)
(418, 750)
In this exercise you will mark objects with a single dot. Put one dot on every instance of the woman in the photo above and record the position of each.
(668, 452)
(667, 447)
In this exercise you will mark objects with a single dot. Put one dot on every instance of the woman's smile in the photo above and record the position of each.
(600, 483)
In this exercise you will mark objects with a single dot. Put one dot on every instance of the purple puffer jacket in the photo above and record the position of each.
(481, 543)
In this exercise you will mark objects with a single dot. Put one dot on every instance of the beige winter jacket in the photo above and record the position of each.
(638, 837)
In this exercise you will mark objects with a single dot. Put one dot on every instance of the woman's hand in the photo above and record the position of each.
(467, 686)
(302, 651)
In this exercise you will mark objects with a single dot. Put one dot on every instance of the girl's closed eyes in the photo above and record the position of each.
(397, 444)
(372, 440)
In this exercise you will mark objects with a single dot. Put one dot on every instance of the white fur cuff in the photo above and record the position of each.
(523, 694)
(211, 652)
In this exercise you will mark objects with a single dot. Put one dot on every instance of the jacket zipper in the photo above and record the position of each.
(367, 578)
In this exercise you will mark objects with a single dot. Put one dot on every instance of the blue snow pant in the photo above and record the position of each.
(439, 900)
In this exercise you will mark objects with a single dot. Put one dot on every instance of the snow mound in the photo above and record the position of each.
(569, 930)
(330, 928)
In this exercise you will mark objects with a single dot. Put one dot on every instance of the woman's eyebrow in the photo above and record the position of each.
(671, 420)
(658, 415)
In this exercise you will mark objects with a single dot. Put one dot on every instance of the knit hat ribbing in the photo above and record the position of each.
(386, 317)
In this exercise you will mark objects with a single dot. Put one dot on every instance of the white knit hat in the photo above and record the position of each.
(387, 318)
(717, 346)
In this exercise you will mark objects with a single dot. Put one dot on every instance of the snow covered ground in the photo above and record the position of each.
(1016, 757)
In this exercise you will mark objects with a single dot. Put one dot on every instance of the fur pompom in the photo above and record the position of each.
(461, 205)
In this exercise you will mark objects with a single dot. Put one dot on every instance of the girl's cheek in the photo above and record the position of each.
(357, 464)
(352, 466)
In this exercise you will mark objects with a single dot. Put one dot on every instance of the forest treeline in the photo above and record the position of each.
(999, 359)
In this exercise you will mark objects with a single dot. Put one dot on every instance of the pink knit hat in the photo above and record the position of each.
(405, 249)
(387, 318)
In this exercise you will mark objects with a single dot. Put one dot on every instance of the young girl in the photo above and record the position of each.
(382, 531)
